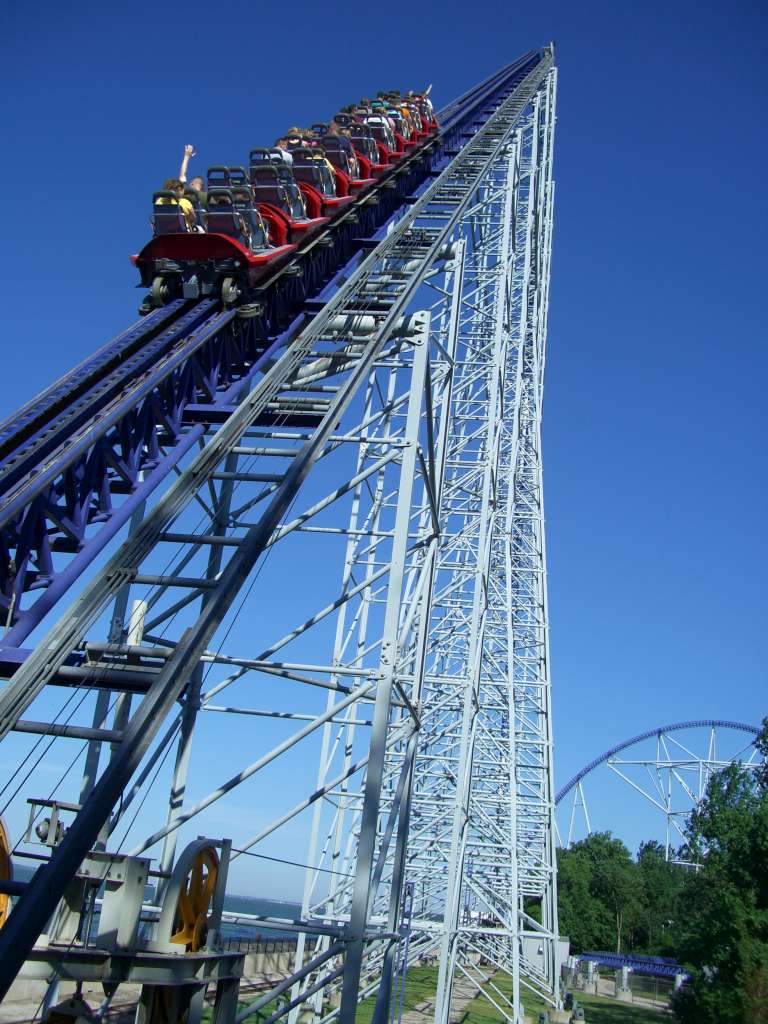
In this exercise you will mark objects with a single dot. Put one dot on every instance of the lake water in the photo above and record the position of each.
(257, 905)
(235, 904)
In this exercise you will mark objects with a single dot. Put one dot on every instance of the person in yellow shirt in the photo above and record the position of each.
(176, 186)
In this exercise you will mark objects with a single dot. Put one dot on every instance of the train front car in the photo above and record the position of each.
(253, 219)
(225, 258)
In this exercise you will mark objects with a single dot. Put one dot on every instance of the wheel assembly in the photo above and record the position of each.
(159, 292)
(230, 293)
(190, 924)
(6, 872)
(188, 897)
(250, 310)
(185, 918)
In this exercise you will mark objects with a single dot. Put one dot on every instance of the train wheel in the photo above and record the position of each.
(159, 292)
(229, 291)
(250, 310)
(6, 872)
(190, 926)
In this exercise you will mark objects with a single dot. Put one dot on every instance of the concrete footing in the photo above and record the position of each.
(268, 963)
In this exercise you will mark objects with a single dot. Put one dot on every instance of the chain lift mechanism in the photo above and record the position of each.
(356, 500)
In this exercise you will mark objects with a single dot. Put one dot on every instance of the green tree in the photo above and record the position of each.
(723, 910)
(581, 916)
(615, 882)
(599, 893)
(661, 884)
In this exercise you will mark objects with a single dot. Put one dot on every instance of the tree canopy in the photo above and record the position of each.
(712, 918)
(607, 900)
(724, 929)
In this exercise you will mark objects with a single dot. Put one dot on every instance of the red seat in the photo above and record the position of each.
(313, 200)
(299, 229)
(224, 218)
(169, 220)
(359, 184)
(365, 164)
(404, 145)
(278, 222)
(386, 155)
(331, 205)
(168, 217)
(368, 168)
(342, 182)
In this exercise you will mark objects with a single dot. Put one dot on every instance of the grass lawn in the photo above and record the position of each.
(609, 1011)
(421, 984)
(597, 1009)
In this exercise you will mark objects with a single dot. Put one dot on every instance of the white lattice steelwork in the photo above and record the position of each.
(372, 509)
(472, 631)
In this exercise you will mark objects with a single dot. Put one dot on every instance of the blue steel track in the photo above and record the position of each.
(83, 456)
(655, 966)
(701, 723)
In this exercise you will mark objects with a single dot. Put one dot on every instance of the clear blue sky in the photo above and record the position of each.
(655, 408)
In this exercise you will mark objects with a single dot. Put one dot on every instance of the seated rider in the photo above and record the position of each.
(285, 154)
(255, 228)
(197, 182)
(176, 186)
(294, 138)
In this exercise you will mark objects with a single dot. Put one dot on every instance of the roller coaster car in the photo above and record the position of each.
(280, 198)
(365, 146)
(341, 153)
(228, 258)
(419, 131)
(418, 110)
(402, 132)
(318, 182)
(385, 140)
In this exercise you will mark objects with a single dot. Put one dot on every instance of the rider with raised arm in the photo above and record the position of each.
(195, 183)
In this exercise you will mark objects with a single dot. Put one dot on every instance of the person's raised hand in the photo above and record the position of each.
(189, 151)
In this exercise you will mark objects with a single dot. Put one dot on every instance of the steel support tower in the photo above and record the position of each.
(359, 549)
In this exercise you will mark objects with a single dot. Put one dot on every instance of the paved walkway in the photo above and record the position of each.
(123, 1008)
(607, 987)
(463, 994)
